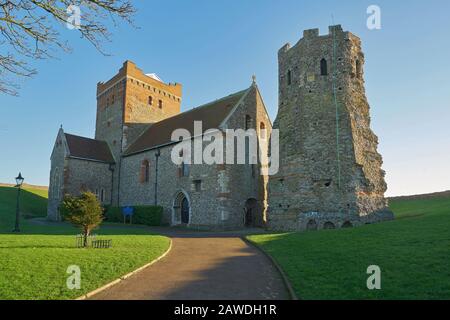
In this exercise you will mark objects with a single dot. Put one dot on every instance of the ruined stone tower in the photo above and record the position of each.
(330, 171)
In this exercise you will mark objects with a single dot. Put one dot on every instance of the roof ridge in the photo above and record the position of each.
(212, 112)
(75, 135)
(205, 105)
(217, 100)
(84, 148)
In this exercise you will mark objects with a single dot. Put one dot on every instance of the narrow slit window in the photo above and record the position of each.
(184, 170)
(323, 67)
(145, 171)
(198, 185)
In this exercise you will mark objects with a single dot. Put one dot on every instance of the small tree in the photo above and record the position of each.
(84, 212)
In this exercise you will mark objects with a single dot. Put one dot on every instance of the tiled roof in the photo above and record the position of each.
(211, 115)
(89, 149)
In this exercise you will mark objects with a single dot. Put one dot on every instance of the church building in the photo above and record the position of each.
(129, 161)
(330, 171)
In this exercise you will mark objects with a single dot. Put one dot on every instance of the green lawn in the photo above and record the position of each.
(413, 253)
(33, 264)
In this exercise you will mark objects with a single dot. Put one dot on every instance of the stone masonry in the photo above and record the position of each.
(330, 171)
(138, 168)
(217, 193)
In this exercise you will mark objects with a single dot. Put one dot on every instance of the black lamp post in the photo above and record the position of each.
(19, 181)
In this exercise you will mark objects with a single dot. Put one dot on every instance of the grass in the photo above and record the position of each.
(413, 253)
(33, 264)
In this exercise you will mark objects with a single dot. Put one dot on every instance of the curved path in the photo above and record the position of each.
(204, 267)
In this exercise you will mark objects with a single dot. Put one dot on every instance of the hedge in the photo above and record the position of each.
(146, 215)
(113, 214)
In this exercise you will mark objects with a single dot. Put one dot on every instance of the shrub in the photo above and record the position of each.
(146, 215)
(113, 214)
(85, 212)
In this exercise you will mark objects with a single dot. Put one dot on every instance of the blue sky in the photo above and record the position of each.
(214, 47)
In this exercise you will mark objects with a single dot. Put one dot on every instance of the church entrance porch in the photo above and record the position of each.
(181, 210)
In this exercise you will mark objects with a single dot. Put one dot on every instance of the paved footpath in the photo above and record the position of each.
(204, 267)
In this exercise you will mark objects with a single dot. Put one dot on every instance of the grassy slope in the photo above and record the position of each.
(33, 264)
(413, 253)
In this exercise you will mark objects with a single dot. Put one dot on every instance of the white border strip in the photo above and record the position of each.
(106, 286)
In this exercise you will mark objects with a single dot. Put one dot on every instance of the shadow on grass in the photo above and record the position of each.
(412, 252)
(33, 246)
(33, 203)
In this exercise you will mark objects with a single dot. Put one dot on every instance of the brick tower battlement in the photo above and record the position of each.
(129, 102)
(330, 171)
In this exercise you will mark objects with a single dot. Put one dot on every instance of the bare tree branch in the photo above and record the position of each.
(29, 30)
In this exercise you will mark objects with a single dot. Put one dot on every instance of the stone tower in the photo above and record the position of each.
(330, 171)
(129, 102)
(126, 105)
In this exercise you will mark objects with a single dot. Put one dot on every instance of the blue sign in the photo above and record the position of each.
(128, 211)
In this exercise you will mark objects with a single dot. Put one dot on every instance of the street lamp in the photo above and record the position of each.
(19, 181)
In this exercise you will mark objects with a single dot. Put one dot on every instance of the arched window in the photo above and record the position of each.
(289, 77)
(150, 100)
(262, 130)
(358, 68)
(160, 104)
(248, 122)
(323, 67)
(145, 171)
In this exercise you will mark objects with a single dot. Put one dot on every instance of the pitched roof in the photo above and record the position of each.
(89, 149)
(211, 115)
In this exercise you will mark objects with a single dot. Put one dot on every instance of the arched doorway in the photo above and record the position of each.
(347, 224)
(329, 225)
(181, 213)
(250, 213)
(311, 225)
(185, 211)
